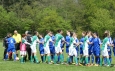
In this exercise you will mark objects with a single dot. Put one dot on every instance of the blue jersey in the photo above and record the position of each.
(109, 48)
(11, 43)
(41, 45)
(96, 44)
(81, 45)
(114, 46)
(67, 39)
(77, 47)
(51, 44)
(90, 45)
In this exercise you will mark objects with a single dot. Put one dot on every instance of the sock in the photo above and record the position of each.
(105, 60)
(98, 60)
(55, 59)
(36, 59)
(52, 57)
(14, 56)
(68, 60)
(49, 59)
(71, 59)
(61, 58)
(75, 59)
(92, 59)
(86, 60)
(22, 59)
(42, 58)
(6, 57)
(108, 61)
(101, 60)
(89, 59)
(31, 58)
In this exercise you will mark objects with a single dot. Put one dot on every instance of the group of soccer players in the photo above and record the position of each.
(89, 50)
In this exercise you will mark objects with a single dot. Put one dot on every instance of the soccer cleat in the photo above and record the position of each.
(96, 65)
(73, 63)
(80, 64)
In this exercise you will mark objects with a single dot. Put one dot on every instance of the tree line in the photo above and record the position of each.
(76, 15)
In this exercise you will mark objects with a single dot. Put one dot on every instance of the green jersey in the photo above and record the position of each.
(104, 44)
(34, 40)
(46, 41)
(85, 43)
(72, 41)
(58, 38)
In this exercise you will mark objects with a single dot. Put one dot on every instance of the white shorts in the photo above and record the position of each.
(22, 52)
(72, 52)
(46, 50)
(105, 53)
(85, 52)
(33, 48)
(58, 50)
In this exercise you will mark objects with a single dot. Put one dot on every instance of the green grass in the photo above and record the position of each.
(17, 66)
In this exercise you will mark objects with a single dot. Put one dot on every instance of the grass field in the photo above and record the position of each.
(17, 66)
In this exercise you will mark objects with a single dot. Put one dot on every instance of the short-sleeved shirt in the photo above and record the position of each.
(46, 41)
(58, 38)
(85, 43)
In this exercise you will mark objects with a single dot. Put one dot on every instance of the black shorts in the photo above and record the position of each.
(17, 46)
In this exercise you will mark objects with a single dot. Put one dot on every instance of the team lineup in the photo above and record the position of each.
(90, 50)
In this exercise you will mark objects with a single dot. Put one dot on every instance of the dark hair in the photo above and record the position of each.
(96, 33)
(35, 32)
(48, 31)
(86, 33)
(29, 32)
(59, 30)
(23, 35)
(105, 34)
(71, 33)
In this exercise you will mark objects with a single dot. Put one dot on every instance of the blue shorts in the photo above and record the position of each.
(52, 50)
(90, 52)
(96, 53)
(41, 51)
(11, 50)
(114, 51)
(81, 51)
(67, 49)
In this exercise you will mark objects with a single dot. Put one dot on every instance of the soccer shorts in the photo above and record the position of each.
(33, 49)
(72, 52)
(11, 50)
(46, 50)
(67, 49)
(58, 50)
(17, 46)
(105, 53)
(22, 52)
(96, 53)
(85, 52)
(52, 50)
(41, 51)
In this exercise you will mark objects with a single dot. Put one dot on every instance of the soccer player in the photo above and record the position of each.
(5, 45)
(17, 38)
(51, 46)
(34, 43)
(81, 48)
(58, 50)
(41, 48)
(46, 46)
(85, 48)
(114, 46)
(72, 48)
(104, 49)
(23, 48)
(91, 56)
(11, 46)
(96, 48)
(67, 39)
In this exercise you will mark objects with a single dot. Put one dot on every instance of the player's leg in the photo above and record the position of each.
(75, 56)
(61, 55)
(14, 53)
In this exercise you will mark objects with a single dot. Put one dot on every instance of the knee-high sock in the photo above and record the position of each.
(110, 58)
(31, 58)
(86, 60)
(42, 58)
(6, 57)
(89, 59)
(101, 61)
(55, 59)
(98, 60)
(92, 59)
(61, 58)
(36, 59)
(22, 59)
(75, 59)
(14, 56)
(108, 61)
(49, 59)
(68, 60)
(105, 60)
